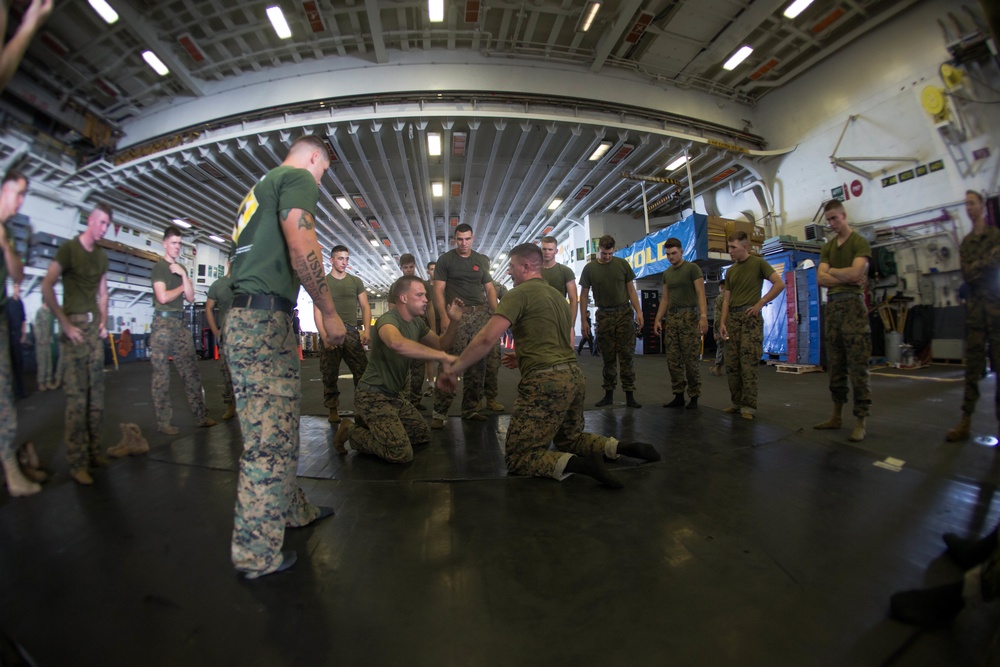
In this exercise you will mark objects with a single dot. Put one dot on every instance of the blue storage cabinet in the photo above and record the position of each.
(775, 314)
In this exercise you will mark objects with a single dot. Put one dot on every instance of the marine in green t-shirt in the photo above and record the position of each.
(683, 305)
(742, 326)
(549, 406)
(82, 265)
(388, 424)
(843, 270)
(562, 278)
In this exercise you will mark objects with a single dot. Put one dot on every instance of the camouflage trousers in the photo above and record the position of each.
(743, 351)
(472, 380)
(83, 382)
(720, 352)
(43, 358)
(616, 343)
(264, 364)
(171, 338)
(848, 349)
(350, 351)
(982, 327)
(415, 382)
(8, 413)
(492, 369)
(392, 426)
(227, 380)
(683, 342)
(549, 408)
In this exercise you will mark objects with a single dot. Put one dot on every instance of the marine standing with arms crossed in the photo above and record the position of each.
(276, 248)
(843, 269)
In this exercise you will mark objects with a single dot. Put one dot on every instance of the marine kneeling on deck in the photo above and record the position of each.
(388, 425)
(549, 406)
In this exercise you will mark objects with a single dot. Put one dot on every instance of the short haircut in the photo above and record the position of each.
(15, 175)
(313, 142)
(463, 228)
(738, 236)
(672, 242)
(833, 205)
(550, 239)
(722, 281)
(339, 248)
(172, 231)
(104, 208)
(406, 259)
(430, 264)
(977, 195)
(529, 252)
(402, 286)
(606, 242)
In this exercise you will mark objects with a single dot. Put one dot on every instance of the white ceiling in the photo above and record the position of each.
(83, 85)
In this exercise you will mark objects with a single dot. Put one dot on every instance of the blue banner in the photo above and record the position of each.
(647, 257)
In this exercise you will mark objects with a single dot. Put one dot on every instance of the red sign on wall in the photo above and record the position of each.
(856, 188)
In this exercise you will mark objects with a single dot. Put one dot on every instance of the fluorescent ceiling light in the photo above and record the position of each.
(217, 238)
(434, 143)
(105, 10)
(155, 63)
(796, 8)
(278, 21)
(435, 9)
(678, 163)
(737, 58)
(344, 204)
(556, 203)
(600, 151)
(437, 189)
(587, 18)
(181, 223)
(374, 243)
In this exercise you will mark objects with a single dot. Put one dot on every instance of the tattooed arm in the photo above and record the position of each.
(299, 229)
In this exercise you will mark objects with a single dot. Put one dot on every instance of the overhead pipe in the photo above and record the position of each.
(768, 201)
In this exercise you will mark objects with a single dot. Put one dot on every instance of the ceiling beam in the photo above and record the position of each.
(164, 51)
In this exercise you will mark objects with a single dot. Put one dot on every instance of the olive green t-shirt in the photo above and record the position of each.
(466, 277)
(609, 281)
(843, 257)
(345, 296)
(221, 292)
(558, 276)
(744, 280)
(540, 321)
(262, 264)
(386, 368)
(680, 285)
(81, 276)
(163, 274)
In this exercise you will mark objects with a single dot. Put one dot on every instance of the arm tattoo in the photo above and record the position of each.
(310, 270)
(306, 221)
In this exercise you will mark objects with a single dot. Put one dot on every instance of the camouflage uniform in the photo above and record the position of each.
(416, 382)
(83, 382)
(44, 321)
(616, 343)
(171, 338)
(472, 395)
(392, 426)
(720, 345)
(352, 352)
(743, 352)
(980, 255)
(683, 341)
(264, 363)
(490, 388)
(549, 408)
(8, 413)
(263, 357)
(848, 349)
(227, 378)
